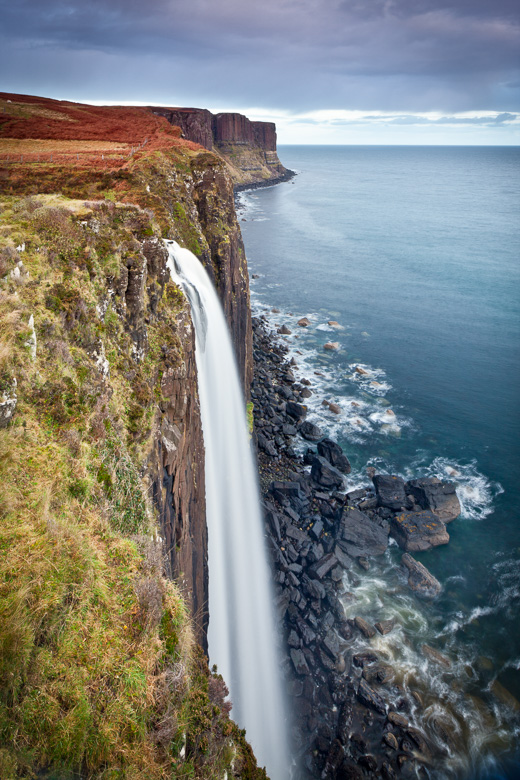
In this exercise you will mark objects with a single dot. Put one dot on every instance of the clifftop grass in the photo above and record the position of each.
(99, 672)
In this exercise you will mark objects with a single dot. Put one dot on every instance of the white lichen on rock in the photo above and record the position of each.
(101, 359)
(8, 404)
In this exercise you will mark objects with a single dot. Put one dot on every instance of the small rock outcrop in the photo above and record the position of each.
(420, 580)
(439, 497)
(416, 531)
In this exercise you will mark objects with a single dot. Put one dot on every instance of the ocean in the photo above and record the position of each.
(414, 252)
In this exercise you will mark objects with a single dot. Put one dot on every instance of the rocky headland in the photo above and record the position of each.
(248, 147)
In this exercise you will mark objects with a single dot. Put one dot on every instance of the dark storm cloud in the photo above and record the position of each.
(407, 55)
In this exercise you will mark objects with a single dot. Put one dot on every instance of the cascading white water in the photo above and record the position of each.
(241, 636)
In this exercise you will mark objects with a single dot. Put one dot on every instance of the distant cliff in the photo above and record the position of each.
(248, 147)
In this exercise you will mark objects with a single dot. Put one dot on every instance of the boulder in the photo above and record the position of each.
(370, 698)
(365, 657)
(334, 454)
(325, 474)
(396, 719)
(391, 740)
(420, 580)
(366, 629)
(359, 535)
(385, 626)
(416, 531)
(439, 497)
(335, 408)
(323, 566)
(390, 491)
(299, 662)
(435, 656)
(378, 674)
(310, 432)
(331, 345)
(298, 411)
(267, 446)
(304, 322)
(284, 331)
(283, 490)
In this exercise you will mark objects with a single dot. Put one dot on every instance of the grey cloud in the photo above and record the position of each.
(397, 55)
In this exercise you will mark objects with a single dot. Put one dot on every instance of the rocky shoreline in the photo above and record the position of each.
(350, 717)
(287, 176)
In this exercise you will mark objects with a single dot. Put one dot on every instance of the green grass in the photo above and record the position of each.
(99, 671)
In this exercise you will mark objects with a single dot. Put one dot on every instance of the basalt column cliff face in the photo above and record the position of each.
(102, 461)
(249, 148)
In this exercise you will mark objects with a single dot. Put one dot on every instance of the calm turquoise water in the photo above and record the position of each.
(415, 253)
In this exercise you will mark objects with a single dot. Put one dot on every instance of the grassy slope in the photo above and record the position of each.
(99, 672)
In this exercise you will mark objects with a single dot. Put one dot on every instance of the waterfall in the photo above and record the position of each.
(241, 636)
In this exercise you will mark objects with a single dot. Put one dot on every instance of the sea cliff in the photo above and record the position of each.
(104, 578)
(248, 147)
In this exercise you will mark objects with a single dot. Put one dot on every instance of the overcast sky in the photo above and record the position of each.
(327, 71)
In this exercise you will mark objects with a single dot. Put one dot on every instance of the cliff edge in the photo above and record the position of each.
(248, 147)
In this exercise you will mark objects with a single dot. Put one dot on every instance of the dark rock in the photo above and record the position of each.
(356, 495)
(379, 674)
(309, 456)
(331, 643)
(274, 522)
(365, 628)
(368, 762)
(296, 533)
(435, 656)
(325, 474)
(385, 626)
(387, 773)
(364, 563)
(313, 588)
(343, 558)
(439, 497)
(420, 580)
(282, 490)
(335, 757)
(266, 446)
(344, 722)
(307, 634)
(298, 411)
(419, 739)
(397, 720)
(368, 503)
(416, 531)
(391, 741)
(293, 640)
(360, 536)
(390, 491)
(370, 698)
(310, 432)
(366, 657)
(332, 452)
(323, 566)
(288, 430)
(284, 331)
(317, 529)
(299, 661)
